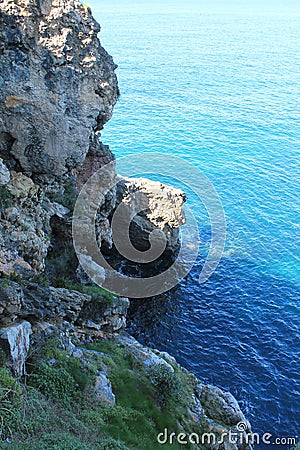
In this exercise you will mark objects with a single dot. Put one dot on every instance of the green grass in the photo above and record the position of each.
(54, 407)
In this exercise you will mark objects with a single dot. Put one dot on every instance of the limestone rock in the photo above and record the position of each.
(57, 82)
(39, 303)
(98, 316)
(4, 174)
(49, 303)
(21, 186)
(220, 406)
(155, 206)
(15, 341)
(103, 390)
(11, 299)
(24, 227)
(213, 410)
(146, 355)
(217, 412)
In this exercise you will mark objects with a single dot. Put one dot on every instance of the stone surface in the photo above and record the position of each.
(57, 82)
(213, 410)
(39, 303)
(15, 342)
(11, 299)
(4, 174)
(52, 303)
(155, 206)
(103, 390)
(24, 227)
(106, 315)
(220, 406)
(147, 356)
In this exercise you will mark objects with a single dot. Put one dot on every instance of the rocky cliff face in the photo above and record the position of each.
(57, 86)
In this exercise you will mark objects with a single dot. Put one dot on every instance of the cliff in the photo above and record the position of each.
(57, 89)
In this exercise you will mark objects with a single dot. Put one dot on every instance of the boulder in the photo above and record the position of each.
(4, 174)
(154, 207)
(220, 406)
(145, 355)
(103, 390)
(15, 342)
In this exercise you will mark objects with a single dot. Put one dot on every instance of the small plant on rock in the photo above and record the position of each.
(168, 385)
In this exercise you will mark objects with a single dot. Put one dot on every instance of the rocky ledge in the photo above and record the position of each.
(57, 90)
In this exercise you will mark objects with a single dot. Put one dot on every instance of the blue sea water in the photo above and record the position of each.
(217, 84)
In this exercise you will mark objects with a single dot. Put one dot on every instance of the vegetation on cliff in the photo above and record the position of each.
(54, 405)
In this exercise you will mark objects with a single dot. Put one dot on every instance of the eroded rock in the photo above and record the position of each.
(147, 356)
(4, 174)
(57, 82)
(39, 303)
(15, 342)
(154, 206)
(103, 390)
(220, 406)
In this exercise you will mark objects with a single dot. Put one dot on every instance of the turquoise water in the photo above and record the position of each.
(219, 87)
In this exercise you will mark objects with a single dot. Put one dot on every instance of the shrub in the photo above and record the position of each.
(66, 196)
(8, 385)
(112, 444)
(167, 384)
(55, 383)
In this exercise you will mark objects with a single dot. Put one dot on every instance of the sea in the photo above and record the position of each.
(216, 84)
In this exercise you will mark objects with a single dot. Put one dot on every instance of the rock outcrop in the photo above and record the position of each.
(103, 390)
(154, 207)
(58, 88)
(212, 410)
(15, 341)
(57, 85)
(24, 225)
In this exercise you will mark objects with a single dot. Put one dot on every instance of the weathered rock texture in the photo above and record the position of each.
(24, 226)
(155, 206)
(39, 303)
(57, 85)
(103, 390)
(15, 341)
